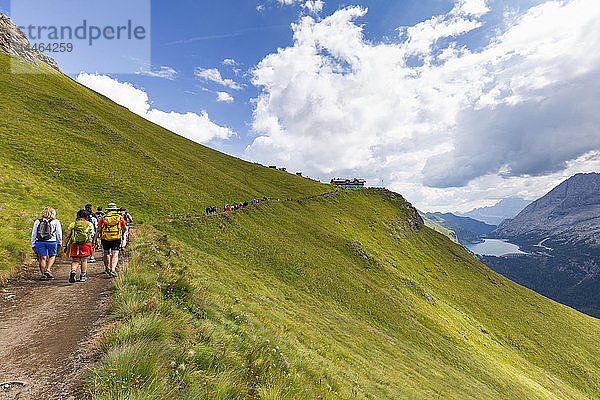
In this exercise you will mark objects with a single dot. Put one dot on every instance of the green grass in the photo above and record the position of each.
(23, 195)
(334, 297)
(172, 338)
(399, 314)
(358, 302)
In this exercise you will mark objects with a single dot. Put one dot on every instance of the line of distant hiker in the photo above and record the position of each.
(235, 206)
(81, 239)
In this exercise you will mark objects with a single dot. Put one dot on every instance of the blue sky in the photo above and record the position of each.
(454, 103)
(188, 34)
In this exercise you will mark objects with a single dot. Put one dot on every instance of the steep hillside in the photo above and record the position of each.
(569, 213)
(62, 144)
(467, 229)
(355, 297)
(494, 215)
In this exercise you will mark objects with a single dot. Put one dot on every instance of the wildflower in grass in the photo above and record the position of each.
(173, 363)
(181, 367)
(191, 353)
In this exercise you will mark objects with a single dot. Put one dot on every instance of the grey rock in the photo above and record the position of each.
(13, 42)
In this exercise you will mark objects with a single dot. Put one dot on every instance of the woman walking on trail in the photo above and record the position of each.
(46, 237)
(79, 245)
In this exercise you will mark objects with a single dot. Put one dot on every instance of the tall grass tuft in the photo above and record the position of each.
(135, 370)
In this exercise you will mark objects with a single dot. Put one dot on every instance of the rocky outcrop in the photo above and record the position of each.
(569, 213)
(13, 42)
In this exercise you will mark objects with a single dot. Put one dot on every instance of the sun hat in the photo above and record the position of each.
(111, 207)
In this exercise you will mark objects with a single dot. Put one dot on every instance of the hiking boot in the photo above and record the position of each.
(83, 278)
(106, 271)
(112, 273)
(43, 278)
(72, 277)
(48, 274)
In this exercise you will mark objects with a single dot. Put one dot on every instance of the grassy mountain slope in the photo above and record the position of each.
(465, 229)
(362, 301)
(344, 296)
(65, 145)
(349, 280)
(434, 224)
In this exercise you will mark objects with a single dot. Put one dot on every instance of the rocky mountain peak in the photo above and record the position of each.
(13, 42)
(570, 211)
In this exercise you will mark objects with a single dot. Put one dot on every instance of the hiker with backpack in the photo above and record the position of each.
(92, 217)
(128, 221)
(92, 214)
(78, 245)
(46, 237)
(111, 229)
(126, 216)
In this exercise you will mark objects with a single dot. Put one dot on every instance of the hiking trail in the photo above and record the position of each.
(48, 328)
(182, 217)
(47, 331)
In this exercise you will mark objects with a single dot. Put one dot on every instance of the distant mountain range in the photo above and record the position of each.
(569, 213)
(561, 231)
(467, 229)
(494, 215)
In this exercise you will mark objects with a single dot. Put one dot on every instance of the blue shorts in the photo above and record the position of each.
(46, 249)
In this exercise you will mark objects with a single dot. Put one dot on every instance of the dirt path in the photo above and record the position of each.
(201, 215)
(47, 330)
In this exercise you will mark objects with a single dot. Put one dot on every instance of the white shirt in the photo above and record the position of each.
(56, 232)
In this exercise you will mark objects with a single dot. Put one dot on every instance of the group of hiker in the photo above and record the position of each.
(235, 206)
(110, 226)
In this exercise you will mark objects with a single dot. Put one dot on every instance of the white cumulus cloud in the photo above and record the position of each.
(214, 75)
(314, 6)
(196, 127)
(430, 117)
(224, 97)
